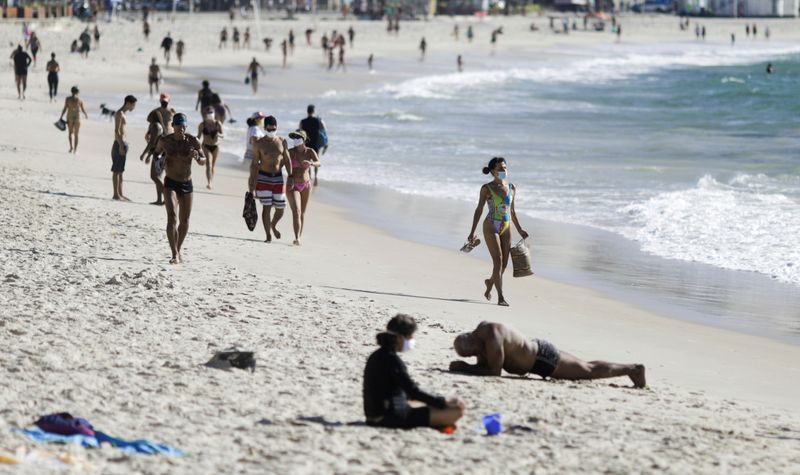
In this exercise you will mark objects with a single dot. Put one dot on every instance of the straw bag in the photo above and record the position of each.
(521, 259)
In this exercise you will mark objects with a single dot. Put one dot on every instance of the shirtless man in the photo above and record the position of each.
(160, 125)
(153, 76)
(21, 62)
(73, 106)
(119, 149)
(180, 149)
(211, 132)
(180, 47)
(203, 97)
(270, 154)
(252, 70)
(498, 348)
(52, 76)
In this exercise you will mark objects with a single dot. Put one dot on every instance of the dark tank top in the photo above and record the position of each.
(312, 126)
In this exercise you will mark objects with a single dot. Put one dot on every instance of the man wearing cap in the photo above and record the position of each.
(314, 127)
(270, 154)
(160, 120)
(119, 149)
(73, 106)
(153, 76)
(179, 149)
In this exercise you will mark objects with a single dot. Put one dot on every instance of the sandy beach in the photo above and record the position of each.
(95, 322)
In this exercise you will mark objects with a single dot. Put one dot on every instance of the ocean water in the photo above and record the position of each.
(689, 150)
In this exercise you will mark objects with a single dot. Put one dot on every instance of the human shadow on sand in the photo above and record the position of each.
(411, 296)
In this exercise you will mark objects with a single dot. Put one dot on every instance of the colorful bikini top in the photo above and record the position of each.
(297, 162)
(500, 206)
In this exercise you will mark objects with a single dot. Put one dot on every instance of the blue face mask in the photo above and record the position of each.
(502, 175)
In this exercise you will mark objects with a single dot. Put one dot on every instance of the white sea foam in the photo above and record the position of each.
(738, 225)
(594, 70)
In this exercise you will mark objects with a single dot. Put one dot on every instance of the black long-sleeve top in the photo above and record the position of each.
(388, 387)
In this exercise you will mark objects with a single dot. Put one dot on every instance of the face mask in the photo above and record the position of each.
(298, 142)
(408, 345)
(502, 175)
(270, 133)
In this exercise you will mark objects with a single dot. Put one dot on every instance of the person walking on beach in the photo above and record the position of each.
(73, 106)
(351, 35)
(154, 76)
(223, 37)
(255, 131)
(330, 59)
(733, 39)
(284, 52)
(96, 37)
(160, 125)
(235, 37)
(34, 45)
(316, 131)
(179, 149)
(309, 32)
(470, 33)
(203, 97)
(166, 44)
(423, 46)
(499, 196)
(210, 131)
(291, 41)
(180, 48)
(341, 64)
(119, 149)
(299, 181)
(499, 348)
(146, 30)
(21, 63)
(246, 42)
(252, 70)
(86, 43)
(747, 29)
(455, 32)
(370, 60)
(270, 155)
(52, 76)
(388, 387)
(220, 108)
(460, 63)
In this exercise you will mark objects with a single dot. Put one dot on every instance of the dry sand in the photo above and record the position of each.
(95, 322)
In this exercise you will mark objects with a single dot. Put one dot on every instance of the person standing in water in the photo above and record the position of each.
(73, 106)
(370, 60)
(252, 70)
(21, 63)
(284, 52)
(270, 155)
(153, 76)
(460, 63)
(499, 195)
(299, 181)
(210, 131)
(119, 149)
(52, 76)
(423, 46)
(180, 48)
(180, 149)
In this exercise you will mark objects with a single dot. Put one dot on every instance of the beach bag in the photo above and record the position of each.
(63, 423)
(61, 125)
(250, 214)
(247, 80)
(323, 137)
(521, 259)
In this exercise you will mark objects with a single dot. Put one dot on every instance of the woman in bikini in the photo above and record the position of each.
(499, 195)
(211, 132)
(299, 182)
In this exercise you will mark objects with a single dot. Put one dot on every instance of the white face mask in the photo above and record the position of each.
(408, 344)
(502, 175)
(298, 142)
(270, 133)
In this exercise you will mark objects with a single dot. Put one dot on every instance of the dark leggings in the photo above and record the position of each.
(52, 82)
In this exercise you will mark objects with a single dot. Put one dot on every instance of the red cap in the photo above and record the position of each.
(164, 97)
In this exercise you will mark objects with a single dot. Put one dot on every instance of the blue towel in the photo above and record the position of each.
(140, 446)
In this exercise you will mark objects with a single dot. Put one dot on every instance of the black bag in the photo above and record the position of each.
(250, 214)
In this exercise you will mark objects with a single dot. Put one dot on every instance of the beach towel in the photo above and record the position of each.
(139, 446)
(250, 214)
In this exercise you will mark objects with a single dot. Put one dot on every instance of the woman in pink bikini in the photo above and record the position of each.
(299, 183)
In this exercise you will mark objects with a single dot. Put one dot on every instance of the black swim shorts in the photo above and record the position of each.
(547, 359)
(118, 158)
(405, 419)
(179, 187)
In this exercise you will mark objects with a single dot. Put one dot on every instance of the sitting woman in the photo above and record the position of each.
(388, 387)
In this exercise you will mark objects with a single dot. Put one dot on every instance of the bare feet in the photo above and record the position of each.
(488, 293)
(296, 242)
(174, 260)
(209, 186)
(157, 203)
(269, 239)
(123, 198)
(115, 197)
(276, 232)
(502, 302)
(180, 258)
(637, 376)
